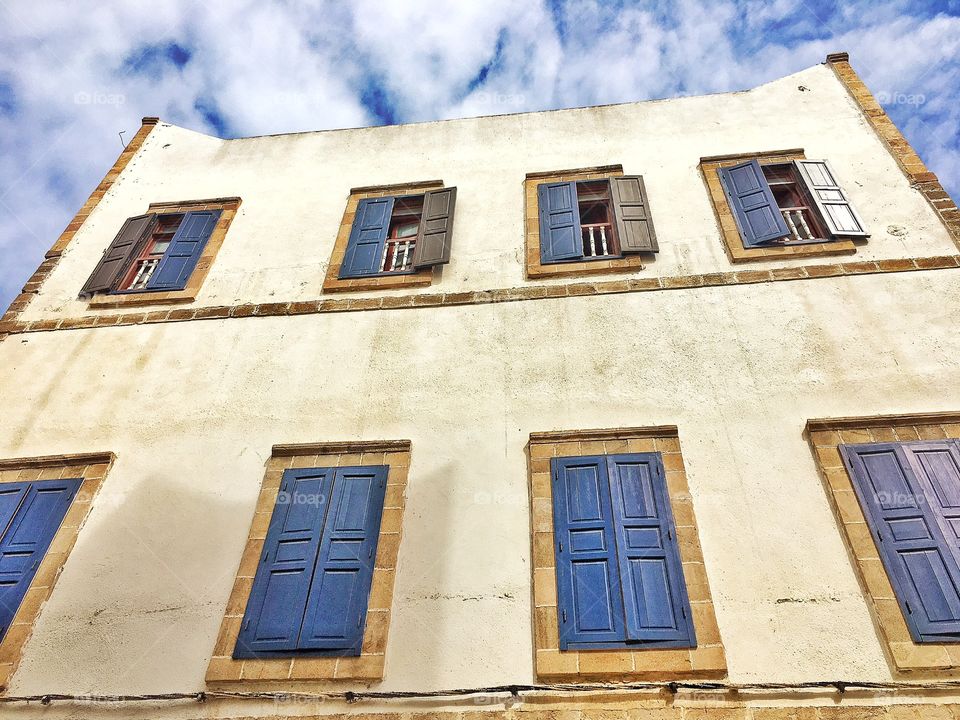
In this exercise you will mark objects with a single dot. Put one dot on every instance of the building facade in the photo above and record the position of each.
(643, 410)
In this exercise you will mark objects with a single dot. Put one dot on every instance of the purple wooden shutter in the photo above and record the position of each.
(278, 598)
(754, 207)
(184, 252)
(836, 210)
(632, 212)
(590, 602)
(435, 233)
(910, 538)
(368, 237)
(651, 572)
(337, 606)
(561, 237)
(116, 258)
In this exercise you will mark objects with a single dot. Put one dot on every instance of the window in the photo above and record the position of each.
(311, 587)
(796, 202)
(596, 219)
(30, 515)
(619, 575)
(910, 495)
(399, 235)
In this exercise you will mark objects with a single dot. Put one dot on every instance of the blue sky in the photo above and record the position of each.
(73, 75)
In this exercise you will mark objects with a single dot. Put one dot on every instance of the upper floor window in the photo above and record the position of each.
(398, 235)
(597, 219)
(910, 495)
(789, 203)
(166, 250)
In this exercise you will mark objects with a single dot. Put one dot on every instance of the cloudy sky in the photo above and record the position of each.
(74, 75)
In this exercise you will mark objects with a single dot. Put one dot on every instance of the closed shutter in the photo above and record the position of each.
(936, 465)
(560, 234)
(590, 602)
(116, 259)
(837, 211)
(337, 606)
(917, 555)
(39, 508)
(184, 252)
(632, 212)
(368, 236)
(278, 598)
(435, 235)
(651, 572)
(754, 207)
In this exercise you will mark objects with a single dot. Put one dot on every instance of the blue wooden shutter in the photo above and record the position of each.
(278, 598)
(337, 606)
(651, 573)
(560, 235)
(590, 602)
(917, 556)
(185, 248)
(368, 236)
(32, 513)
(754, 207)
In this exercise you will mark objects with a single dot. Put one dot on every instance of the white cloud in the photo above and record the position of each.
(282, 67)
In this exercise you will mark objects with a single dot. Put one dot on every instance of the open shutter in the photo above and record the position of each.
(436, 228)
(835, 209)
(368, 236)
(278, 598)
(117, 257)
(918, 560)
(185, 248)
(651, 572)
(560, 235)
(632, 212)
(26, 537)
(337, 606)
(754, 207)
(590, 602)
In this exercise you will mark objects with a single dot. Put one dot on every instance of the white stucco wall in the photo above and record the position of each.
(295, 187)
(192, 409)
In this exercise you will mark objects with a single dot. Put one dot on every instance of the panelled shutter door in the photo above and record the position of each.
(115, 260)
(368, 237)
(435, 235)
(754, 207)
(837, 211)
(561, 237)
(28, 533)
(937, 467)
(278, 598)
(920, 564)
(184, 252)
(632, 212)
(337, 606)
(651, 573)
(590, 602)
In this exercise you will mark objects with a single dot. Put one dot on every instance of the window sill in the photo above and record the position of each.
(121, 300)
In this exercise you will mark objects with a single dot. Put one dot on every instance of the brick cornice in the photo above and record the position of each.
(347, 446)
(42, 461)
(561, 436)
(854, 423)
(897, 145)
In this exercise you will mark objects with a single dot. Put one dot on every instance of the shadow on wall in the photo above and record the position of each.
(139, 603)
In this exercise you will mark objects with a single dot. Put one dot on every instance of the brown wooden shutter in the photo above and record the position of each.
(436, 228)
(632, 212)
(117, 256)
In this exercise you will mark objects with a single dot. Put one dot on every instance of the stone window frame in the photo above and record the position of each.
(228, 208)
(531, 224)
(93, 469)
(729, 232)
(369, 665)
(825, 435)
(419, 278)
(708, 658)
